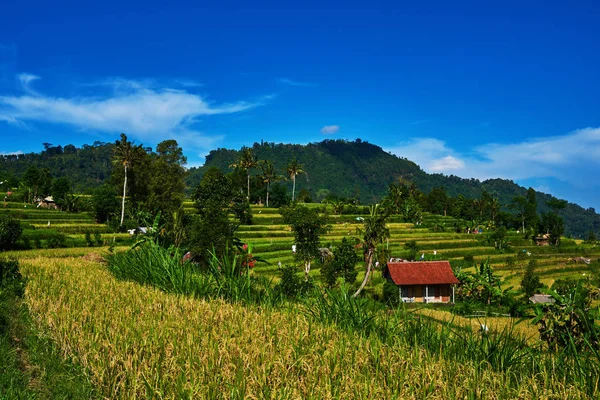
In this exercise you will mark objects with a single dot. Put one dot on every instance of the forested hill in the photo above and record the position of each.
(358, 169)
(354, 169)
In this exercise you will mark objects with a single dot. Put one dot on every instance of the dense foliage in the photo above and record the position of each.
(333, 169)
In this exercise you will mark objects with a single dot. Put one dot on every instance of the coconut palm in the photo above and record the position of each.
(269, 175)
(374, 232)
(126, 154)
(246, 162)
(293, 169)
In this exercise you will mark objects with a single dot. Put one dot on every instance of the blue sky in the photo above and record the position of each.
(475, 89)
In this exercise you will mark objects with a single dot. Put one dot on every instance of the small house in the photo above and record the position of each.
(541, 299)
(423, 281)
(542, 240)
(47, 202)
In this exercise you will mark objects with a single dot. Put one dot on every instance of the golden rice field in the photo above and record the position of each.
(139, 342)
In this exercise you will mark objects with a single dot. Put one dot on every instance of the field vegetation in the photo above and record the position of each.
(151, 295)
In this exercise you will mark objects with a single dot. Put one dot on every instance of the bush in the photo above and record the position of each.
(57, 241)
(391, 295)
(10, 231)
(291, 284)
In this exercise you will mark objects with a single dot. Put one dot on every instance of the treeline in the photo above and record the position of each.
(354, 171)
(358, 172)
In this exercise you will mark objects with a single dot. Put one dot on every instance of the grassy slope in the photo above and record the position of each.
(137, 341)
(32, 366)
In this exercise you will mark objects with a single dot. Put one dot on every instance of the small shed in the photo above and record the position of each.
(541, 299)
(47, 202)
(423, 281)
(542, 240)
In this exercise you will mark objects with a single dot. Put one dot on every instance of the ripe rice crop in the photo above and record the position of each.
(135, 341)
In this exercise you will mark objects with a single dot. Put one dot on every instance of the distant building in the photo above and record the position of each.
(48, 202)
(541, 298)
(542, 240)
(423, 281)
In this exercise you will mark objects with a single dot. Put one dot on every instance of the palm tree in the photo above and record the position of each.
(246, 162)
(293, 169)
(374, 232)
(126, 154)
(269, 175)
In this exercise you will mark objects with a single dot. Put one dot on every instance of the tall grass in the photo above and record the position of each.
(138, 341)
(166, 269)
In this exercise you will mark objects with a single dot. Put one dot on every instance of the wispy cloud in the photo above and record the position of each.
(572, 158)
(290, 82)
(12, 153)
(140, 108)
(25, 79)
(419, 122)
(330, 129)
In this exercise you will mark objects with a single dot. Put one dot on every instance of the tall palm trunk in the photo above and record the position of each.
(294, 187)
(364, 282)
(124, 192)
(248, 185)
(306, 269)
(268, 185)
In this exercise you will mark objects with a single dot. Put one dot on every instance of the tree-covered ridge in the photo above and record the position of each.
(87, 167)
(363, 171)
(332, 168)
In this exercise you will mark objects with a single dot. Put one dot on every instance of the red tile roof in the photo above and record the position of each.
(421, 273)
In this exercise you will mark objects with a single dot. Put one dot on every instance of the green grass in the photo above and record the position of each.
(31, 365)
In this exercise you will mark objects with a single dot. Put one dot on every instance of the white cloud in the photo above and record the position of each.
(330, 129)
(447, 163)
(12, 153)
(139, 108)
(25, 79)
(291, 82)
(573, 158)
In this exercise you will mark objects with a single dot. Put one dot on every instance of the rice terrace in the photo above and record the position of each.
(215, 295)
(299, 200)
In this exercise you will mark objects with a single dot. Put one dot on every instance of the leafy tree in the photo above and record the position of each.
(307, 226)
(531, 281)
(499, 238)
(212, 229)
(125, 155)
(553, 225)
(241, 209)
(412, 248)
(279, 196)
(104, 203)
(591, 238)
(519, 204)
(531, 217)
(290, 284)
(483, 286)
(341, 264)
(374, 232)
(294, 169)
(167, 183)
(437, 201)
(61, 187)
(246, 162)
(570, 322)
(269, 176)
(10, 231)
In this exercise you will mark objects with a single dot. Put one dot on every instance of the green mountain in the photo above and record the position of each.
(358, 169)
(350, 169)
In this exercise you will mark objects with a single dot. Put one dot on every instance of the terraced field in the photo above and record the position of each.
(272, 240)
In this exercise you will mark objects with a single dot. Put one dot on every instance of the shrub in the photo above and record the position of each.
(57, 241)
(10, 232)
(391, 295)
(291, 284)
(88, 239)
(98, 238)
